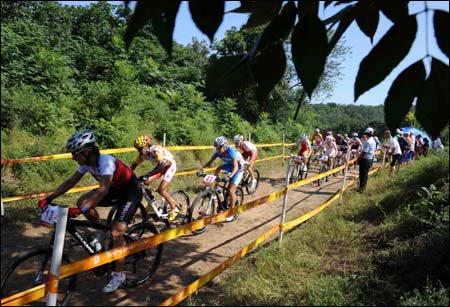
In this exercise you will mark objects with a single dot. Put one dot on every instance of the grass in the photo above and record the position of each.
(388, 246)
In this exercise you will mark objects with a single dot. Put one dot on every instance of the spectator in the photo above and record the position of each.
(437, 145)
(425, 147)
(365, 159)
(418, 146)
(393, 147)
(412, 142)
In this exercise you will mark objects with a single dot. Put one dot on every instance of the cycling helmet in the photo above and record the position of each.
(80, 140)
(220, 141)
(369, 131)
(329, 133)
(238, 138)
(141, 141)
(354, 135)
(345, 135)
(339, 137)
(329, 138)
(317, 130)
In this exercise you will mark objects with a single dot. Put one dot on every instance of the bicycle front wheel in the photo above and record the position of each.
(181, 200)
(140, 266)
(202, 206)
(248, 187)
(239, 201)
(32, 269)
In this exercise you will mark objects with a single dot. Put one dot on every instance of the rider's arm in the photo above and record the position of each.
(136, 162)
(66, 185)
(209, 162)
(99, 194)
(235, 168)
(160, 166)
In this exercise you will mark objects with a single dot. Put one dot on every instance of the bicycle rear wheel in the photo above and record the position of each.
(248, 186)
(202, 206)
(181, 200)
(140, 266)
(239, 201)
(32, 269)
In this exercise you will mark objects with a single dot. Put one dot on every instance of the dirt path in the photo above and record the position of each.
(187, 258)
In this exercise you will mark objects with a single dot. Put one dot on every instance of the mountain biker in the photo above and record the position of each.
(305, 148)
(330, 150)
(117, 182)
(316, 139)
(165, 168)
(250, 152)
(355, 142)
(342, 146)
(233, 166)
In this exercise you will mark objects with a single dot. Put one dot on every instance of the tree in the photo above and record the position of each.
(311, 47)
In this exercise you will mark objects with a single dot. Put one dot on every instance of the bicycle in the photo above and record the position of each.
(31, 268)
(299, 168)
(214, 197)
(246, 181)
(323, 168)
(159, 209)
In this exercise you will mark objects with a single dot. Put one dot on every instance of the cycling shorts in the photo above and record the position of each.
(168, 172)
(127, 200)
(228, 168)
(247, 155)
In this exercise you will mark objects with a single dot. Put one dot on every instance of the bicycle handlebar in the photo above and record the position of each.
(73, 212)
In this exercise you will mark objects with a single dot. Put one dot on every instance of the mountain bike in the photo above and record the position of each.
(323, 168)
(31, 268)
(339, 161)
(246, 181)
(299, 168)
(213, 199)
(159, 209)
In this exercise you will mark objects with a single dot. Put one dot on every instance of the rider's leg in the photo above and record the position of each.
(117, 231)
(232, 192)
(162, 190)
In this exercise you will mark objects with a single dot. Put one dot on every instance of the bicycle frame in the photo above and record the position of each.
(160, 215)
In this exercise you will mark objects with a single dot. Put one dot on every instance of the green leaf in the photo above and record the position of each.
(367, 18)
(263, 13)
(164, 23)
(402, 93)
(394, 10)
(441, 26)
(309, 51)
(280, 27)
(143, 12)
(308, 7)
(227, 75)
(246, 7)
(207, 15)
(268, 69)
(432, 110)
(386, 55)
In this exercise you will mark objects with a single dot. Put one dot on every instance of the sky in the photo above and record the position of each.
(360, 45)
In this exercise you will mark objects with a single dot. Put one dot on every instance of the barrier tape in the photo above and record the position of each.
(194, 286)
(181, 295)
(85, 188)
(115, 151)
(134, 247)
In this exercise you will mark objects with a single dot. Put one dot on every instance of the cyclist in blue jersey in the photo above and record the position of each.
(233, 166)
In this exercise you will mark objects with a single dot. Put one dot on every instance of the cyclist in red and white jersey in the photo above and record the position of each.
(316, 138)
(305, 147)
(165, 168)
(117, 182)
(329, 149)
(355, 143)
(249, 152)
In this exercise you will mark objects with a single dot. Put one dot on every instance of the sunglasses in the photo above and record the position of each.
(78, 152)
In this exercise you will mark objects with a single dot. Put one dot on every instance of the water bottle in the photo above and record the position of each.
(220, 193)
(95, 243)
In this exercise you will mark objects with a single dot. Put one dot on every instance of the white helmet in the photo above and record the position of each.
(369, 131)
(303, 138)
(80, 140)
(316, 130)
(329, 138)
(220, 141)
(354, 135)
(238, 138)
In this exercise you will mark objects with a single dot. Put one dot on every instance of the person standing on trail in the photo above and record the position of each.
(393, 148)
(365, 159)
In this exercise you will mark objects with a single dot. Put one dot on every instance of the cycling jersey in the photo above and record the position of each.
(305, 149)
(108, 165)
(156, 154)
(355, 143)
(229, 155)
(342, 146)
(247, 149)
(317, 138)
(330, 149)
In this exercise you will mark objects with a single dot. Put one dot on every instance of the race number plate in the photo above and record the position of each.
(209, 180)
(49, 215)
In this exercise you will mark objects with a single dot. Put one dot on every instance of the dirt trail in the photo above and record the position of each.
(187, 258)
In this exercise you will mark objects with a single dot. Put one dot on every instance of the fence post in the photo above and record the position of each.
(249, 137)
(164, 139)
(58, 245)
(282, 151)
(283, 210)
(345, 175)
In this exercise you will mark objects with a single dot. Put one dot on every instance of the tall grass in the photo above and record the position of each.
(388, 246)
